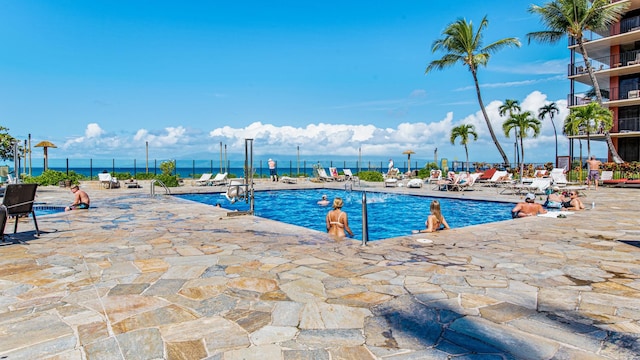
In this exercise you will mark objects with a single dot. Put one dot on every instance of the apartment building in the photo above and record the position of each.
(615, 57)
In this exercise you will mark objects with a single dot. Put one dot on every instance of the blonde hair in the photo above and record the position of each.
(337, 203)
(435, 210)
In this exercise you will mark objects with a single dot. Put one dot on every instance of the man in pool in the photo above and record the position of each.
(323, 201)
(80, 201)
(527, 208)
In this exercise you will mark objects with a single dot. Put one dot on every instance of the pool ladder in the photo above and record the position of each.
(153, 188)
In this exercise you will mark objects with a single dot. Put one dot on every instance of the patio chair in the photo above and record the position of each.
(349, 176)
(322, 175)
(434, 176)
(18, 202)
(496, 178)
(107, 181)
(288, 180)
(335, 175)
(204, 179)
(606, 175)
(469, 181)
(415, 183)
(219, 179)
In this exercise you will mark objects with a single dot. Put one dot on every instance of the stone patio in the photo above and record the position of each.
(138, 277)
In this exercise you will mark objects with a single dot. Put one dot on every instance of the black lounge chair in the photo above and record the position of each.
(18, 201)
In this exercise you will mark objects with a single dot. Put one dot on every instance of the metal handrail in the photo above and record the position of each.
(153, 191)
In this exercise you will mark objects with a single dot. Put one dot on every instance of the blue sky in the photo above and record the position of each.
(101, 78)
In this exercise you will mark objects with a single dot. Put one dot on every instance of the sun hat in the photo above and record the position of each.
(530, 196)
(270, 159)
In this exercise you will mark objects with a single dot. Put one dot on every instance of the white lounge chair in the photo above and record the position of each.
(335, 175)
(434, 176)
(415, 183)
(469, 181)
(107, 181)
(349, 175)
(560, 179)
(204, 179)
(289, 180)
(219, 179)
(322, 175)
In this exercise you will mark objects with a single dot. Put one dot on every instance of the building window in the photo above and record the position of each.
(629, 149)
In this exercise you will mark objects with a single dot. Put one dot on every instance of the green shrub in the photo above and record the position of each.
(168, 180)
(53, 177)
(373, 176)
(167, 167)
(145, 176)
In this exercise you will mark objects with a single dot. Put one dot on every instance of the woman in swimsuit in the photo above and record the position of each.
(435, 220)
(337, 221)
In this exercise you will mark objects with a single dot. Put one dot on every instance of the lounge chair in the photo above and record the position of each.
(335, 175)
(322, 175)
(219, 179)
(537, 186)
(204, 179)
(468, 182)
(107, 181)
(131, 183)
(289, 180)
(18, 201)
(391, 182)
(434, 176)
(606, 175)
(486, 175)
(349, 176)
(560, 179)
(415, 183)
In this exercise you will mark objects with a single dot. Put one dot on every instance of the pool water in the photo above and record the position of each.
(42, 210)
(389, 215)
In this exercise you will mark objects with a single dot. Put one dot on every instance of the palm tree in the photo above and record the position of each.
(523, 122)
(462, 44)
(589, 119)
(510, 106)
(550, 109)
(464, 132)
(574, 18)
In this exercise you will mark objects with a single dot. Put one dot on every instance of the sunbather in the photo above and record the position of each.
(574, 203)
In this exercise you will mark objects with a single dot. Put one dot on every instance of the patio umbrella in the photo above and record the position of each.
(45, 145)
(409, 152)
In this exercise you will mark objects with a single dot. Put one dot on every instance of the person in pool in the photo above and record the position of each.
(323, 201)
(337, 220)
(435, 220)
(527, 208)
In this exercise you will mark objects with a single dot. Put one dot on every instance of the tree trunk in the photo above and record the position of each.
(555, 133)
(521, 159)
(466, 151)
(486, 119)
(596, 87)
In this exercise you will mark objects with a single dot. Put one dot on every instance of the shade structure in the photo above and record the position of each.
(45, 145)
(408, 153)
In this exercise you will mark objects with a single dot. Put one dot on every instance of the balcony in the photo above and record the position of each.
(610, 97)
(606, 66)
(628, 124)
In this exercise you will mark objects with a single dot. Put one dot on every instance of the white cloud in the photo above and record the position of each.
(327, 139)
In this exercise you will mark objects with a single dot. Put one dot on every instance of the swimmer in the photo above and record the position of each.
(323, 201)
(337, 220)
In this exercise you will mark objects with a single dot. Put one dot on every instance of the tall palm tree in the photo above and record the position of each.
(464, 132)
(509, 107)
(462, 44)
(550, 109)
(574, 18)
(523, 122)
(589, 119)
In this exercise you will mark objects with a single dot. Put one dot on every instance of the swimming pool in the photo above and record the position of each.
(42, 210)
(389, 215)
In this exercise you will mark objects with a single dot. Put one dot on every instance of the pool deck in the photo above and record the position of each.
(137, 277)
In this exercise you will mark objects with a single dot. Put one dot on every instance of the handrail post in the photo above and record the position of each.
(365, 224)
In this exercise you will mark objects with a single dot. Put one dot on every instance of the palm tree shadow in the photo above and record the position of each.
(431, 327)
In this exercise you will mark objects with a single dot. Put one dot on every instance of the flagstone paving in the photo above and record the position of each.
(138, 277)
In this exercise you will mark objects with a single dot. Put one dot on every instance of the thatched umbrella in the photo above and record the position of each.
(45, 145)
(409, 152)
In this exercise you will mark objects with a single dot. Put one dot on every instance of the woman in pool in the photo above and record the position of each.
(435, 220)
(337, 221)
